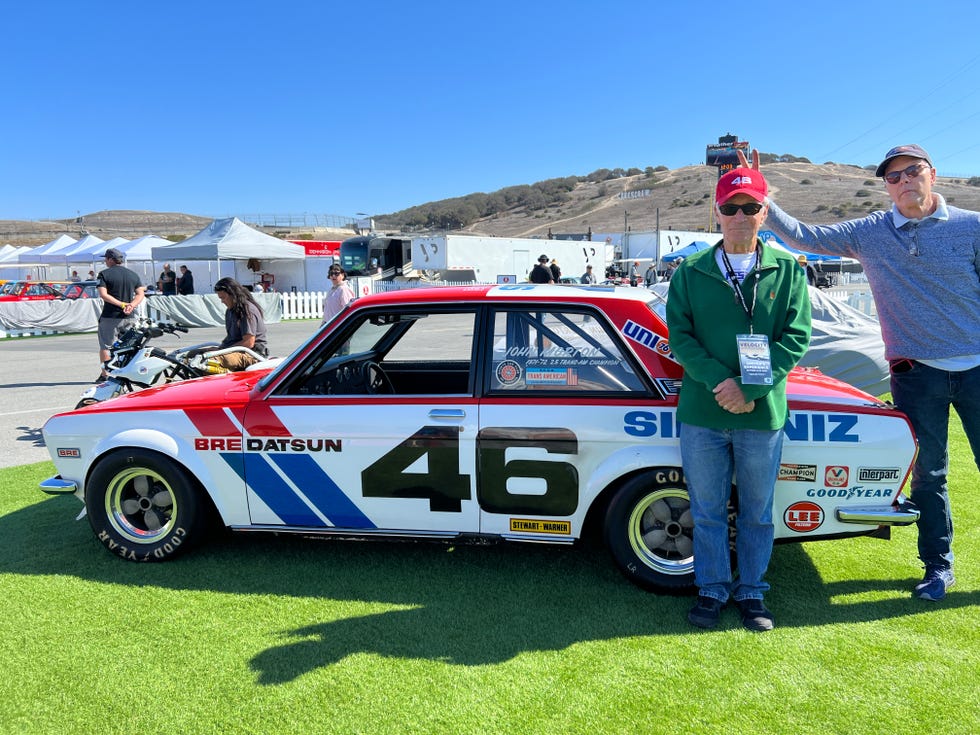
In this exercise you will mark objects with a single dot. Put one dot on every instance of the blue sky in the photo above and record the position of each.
(219, 108)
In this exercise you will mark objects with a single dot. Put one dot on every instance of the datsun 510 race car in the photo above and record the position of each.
(524, 412)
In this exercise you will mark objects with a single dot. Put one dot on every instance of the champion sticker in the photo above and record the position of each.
(798, 472)
(803, 517)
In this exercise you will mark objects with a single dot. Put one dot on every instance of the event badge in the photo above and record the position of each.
(753, 357)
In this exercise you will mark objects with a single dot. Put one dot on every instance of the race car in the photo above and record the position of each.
(538, 413)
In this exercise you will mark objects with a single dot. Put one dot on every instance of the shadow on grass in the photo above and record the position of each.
(466, 605)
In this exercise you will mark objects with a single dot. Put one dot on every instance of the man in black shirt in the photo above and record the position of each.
(121, 292)
(541, 273)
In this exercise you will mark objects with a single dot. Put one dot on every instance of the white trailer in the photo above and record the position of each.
(502, 259)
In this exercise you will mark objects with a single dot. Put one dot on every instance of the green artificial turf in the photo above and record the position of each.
(259, 634)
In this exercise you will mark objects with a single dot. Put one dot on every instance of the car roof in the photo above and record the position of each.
(551, 293)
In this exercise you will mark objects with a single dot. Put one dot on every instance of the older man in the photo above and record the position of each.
(739, 320)
(922, 259)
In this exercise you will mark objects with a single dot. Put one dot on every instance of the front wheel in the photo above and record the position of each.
(649, 530)
(143, 506)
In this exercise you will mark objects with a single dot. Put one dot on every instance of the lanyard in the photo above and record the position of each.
(733, 282)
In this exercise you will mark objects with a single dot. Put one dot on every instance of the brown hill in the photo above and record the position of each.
(681, 199)
(678, 199)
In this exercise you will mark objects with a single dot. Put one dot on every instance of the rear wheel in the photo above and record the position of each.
(143, 506)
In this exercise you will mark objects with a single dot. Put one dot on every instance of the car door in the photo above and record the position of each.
(375, 430)
(557, 390)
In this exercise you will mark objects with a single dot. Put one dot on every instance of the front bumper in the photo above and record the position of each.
(903, 513)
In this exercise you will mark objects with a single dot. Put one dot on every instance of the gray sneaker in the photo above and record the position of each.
(934, 585)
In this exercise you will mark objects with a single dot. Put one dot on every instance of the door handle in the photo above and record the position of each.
(447, 413)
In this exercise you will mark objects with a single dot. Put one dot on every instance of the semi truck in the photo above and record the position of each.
(465, 257)
(501, 259)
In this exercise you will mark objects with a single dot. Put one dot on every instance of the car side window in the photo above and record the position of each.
(394, 353)
(551, 350)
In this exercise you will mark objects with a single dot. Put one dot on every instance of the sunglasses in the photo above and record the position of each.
(333, 273)
(749, 209)
(893, 177)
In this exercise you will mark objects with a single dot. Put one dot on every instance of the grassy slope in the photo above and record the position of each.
(255, 634)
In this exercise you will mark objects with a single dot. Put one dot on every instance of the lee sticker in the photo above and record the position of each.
(803, 517)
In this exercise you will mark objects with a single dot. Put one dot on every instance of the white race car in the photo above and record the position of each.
(526, 413)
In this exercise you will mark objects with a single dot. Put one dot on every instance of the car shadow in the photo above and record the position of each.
(468, 605)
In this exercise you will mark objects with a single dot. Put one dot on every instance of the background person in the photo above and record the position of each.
(541, 273)
(244, 324)
(339, 295)
(732, 404)
(185, 281)
(555, 271)
(121, 292)
(167, 283)
(922, 260)
(588, 277)
(811, 275)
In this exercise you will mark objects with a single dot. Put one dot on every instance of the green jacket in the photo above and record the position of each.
(703, 317)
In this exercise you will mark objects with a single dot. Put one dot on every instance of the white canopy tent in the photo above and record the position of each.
(239, 251)
(33, 256)
(88, 252)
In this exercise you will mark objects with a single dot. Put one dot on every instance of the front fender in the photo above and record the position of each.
(226, 489)
(630, 460)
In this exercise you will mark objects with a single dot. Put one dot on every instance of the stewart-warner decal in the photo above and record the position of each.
(643, 336)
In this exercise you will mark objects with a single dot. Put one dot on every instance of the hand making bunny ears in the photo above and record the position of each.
(743, 162)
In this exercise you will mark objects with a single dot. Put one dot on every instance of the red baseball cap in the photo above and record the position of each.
(741, 181)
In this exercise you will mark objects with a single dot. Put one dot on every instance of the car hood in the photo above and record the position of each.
(228, 390)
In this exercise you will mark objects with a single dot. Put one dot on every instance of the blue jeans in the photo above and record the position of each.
(925, 394)
(709, 457)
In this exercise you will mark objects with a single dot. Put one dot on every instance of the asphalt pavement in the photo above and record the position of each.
(42, 376)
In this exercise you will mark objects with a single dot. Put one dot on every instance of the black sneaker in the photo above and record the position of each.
(102, 378)
(755, 616)
(706, 612)
(934, 585)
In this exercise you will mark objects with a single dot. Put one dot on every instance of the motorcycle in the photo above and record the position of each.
(133, 365)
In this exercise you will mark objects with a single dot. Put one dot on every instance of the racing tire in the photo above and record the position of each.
(85, 402)
(649, 530)
(143, 506)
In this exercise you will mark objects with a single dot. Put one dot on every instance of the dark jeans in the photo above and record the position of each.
(925, 395)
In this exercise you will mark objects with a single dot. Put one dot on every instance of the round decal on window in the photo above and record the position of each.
(508, 372)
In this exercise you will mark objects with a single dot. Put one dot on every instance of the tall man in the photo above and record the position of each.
(922, 259)
(121, 292)
(739, 321)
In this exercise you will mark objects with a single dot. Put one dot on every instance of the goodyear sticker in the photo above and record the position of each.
(527, 525)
